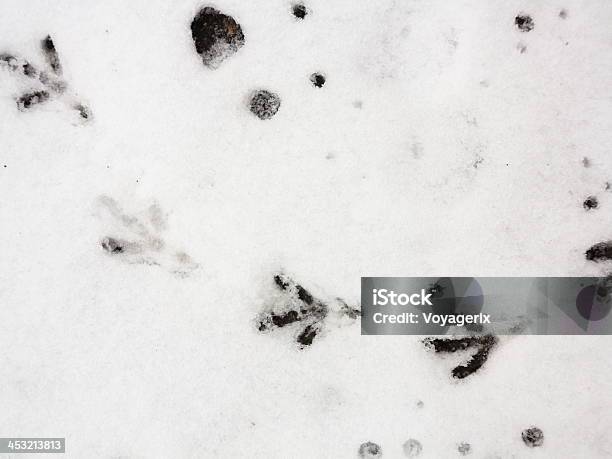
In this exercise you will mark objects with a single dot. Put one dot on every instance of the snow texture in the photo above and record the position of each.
(145, 212)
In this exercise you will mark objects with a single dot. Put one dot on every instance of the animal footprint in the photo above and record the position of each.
(138, 241)
(483, 343)
(42, 85)
(295, 306)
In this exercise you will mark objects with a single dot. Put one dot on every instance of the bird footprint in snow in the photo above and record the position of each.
(41, 86)
(294, 306)
(137, 240)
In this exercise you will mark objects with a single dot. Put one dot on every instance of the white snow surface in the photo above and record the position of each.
(435, 148)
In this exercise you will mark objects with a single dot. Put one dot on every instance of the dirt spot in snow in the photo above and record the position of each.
(524, 22)
(299, 10)
(216, 36)
(370, 450)
(464, 448)
(317, 80)
(412, 448)
(264, 104)
(590, 203)
(533, 437)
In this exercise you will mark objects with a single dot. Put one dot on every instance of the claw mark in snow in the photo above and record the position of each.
(483, 343)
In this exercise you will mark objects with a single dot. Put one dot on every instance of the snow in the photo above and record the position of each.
(435, 148)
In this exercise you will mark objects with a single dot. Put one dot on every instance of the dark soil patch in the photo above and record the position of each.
(216, 36)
